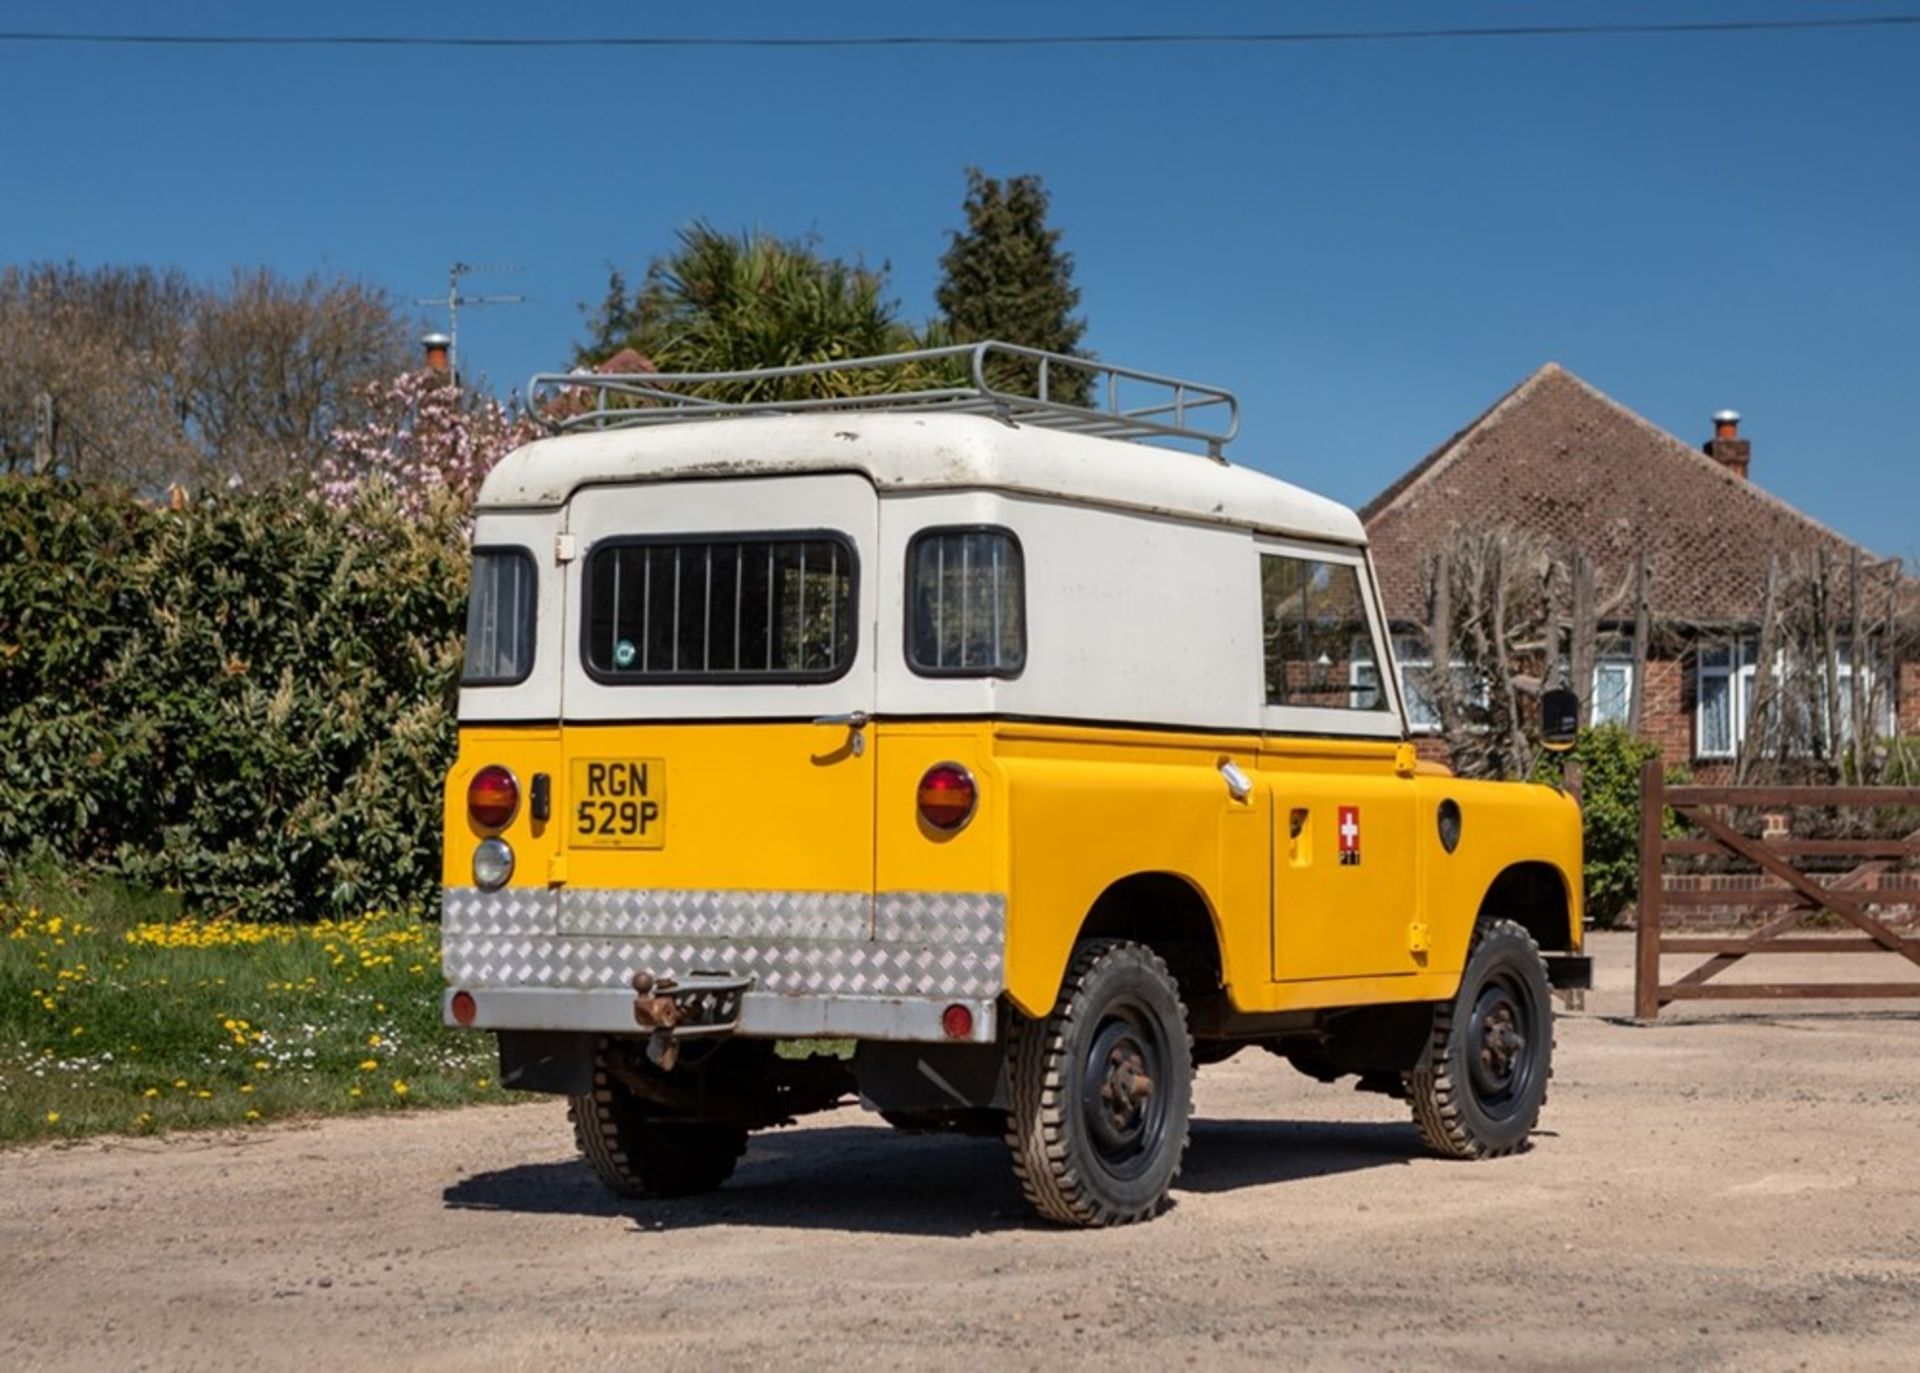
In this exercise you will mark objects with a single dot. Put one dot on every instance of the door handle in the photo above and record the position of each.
(855, 721)
(1239, 785)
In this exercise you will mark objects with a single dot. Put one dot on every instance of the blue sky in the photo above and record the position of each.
(1370, 242)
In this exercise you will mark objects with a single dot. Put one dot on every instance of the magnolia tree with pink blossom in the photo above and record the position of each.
(425, 437)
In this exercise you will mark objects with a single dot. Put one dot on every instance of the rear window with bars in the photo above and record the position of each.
(966, 603)
(499, 618)
(733, 608)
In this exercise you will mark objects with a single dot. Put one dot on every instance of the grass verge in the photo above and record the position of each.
(117, 1015)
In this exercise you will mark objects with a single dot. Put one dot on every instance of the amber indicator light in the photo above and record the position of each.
(947, 796)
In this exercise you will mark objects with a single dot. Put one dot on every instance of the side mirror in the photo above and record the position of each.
(1559, 719)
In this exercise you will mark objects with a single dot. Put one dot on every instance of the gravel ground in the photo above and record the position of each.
(1733, 1188)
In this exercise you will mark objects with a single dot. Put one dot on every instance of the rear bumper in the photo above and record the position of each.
(763, 1015)
(1569, 971)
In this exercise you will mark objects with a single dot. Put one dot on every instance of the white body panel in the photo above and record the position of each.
(1142, 565)
(907, 452)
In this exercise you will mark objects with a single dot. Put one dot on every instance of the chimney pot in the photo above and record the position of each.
(436, 346)
(1726, 447)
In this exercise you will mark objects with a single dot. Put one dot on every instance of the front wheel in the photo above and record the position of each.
(1101, 1090)
(1482, 1078)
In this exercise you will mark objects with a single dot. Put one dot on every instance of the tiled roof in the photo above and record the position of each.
(1576, 467)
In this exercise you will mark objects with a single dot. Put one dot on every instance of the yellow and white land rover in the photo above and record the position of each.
(1042, 760)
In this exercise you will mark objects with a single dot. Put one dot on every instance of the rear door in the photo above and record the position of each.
(716, 689)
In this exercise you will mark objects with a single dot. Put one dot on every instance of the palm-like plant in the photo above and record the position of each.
(731, 303)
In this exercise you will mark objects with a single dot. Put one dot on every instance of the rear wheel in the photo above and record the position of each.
(640, 1154)
(1101, 1090)
(1478, 1089)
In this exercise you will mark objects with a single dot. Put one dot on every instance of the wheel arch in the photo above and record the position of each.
(1536, 896)
(1170, 914)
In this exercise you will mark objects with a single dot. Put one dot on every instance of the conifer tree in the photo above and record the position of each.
(1005, 277)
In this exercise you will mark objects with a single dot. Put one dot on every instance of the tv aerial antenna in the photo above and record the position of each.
(455, 298)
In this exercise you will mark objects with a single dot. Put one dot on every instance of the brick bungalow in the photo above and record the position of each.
(1577, 470)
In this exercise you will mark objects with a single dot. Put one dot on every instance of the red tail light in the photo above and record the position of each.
(492, 797)
(947, 796)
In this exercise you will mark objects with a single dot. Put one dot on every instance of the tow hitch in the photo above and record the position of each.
(706, 1005)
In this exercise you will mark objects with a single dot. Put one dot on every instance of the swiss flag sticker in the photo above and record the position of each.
(1349, 830)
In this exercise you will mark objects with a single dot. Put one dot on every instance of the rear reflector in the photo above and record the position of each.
(492, 797)
(947, 796)
(463, 1008)
(957, 1021)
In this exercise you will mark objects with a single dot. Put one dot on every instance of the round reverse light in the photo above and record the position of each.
(947, 796)
(492, 797)
(492, 864)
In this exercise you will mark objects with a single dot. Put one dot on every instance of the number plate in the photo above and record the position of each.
(618, 803)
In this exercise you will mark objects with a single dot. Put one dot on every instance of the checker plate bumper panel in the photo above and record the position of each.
(915, 944)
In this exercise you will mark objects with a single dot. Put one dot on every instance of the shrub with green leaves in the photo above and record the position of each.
(249, 702)
(1610, 762)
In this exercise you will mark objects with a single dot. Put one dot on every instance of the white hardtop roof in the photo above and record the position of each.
(904, 451)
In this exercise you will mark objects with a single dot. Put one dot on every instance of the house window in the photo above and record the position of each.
(1726, 672)
(1797, 704)
(1612, 691)
(1411, 656)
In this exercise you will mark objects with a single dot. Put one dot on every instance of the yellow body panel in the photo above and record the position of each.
(1064, 813)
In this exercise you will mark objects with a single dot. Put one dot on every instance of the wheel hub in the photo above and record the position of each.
(1117, 1092)
(1498, 1049)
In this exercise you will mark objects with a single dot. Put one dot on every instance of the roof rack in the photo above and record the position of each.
(1013, 383)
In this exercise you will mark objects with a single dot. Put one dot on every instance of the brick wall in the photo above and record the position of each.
(1910, 698)
(1665, 717)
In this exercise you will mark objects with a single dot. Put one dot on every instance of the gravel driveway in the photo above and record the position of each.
(1738, 1188)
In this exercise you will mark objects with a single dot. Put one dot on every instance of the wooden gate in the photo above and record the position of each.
(1794, 893)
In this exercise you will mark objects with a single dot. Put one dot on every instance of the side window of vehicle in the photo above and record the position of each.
(1314, 615)
(966, 603)
(500, 618)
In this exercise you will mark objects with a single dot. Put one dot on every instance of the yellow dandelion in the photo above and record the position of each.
(353, 1091)
(253, 1115)
(260, 1065)
(368, 1065)
(151, 1093)
(53, 1117)
(483, 1084)
(180, 1082)
(373, 1041)
(204, 1094)
(399, 1089)
(143, 1119)
(246, 1087)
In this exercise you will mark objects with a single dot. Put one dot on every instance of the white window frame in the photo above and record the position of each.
(1740, 655)
(1741, 666)
(1617, 663)
(1410, 653)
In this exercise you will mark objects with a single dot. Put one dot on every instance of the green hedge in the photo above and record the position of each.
(249, 702)
(1610, 761)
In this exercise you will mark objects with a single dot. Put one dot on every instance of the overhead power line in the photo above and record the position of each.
(1058, 40)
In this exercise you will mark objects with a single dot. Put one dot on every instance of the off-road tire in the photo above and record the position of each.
(1079, 1161)
(1482, 1078)
(641, 1155)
